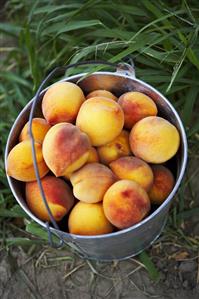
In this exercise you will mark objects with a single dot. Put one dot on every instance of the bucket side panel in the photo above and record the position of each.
(123, 245)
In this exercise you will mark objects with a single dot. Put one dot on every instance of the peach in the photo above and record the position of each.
(93, 155)
(162, 185)
(101, 119)
(101, 93)
(39, 129)
(115, 149)
(135, 169)
(20, 162)
(58, 196)
(91, 182)
(136, 105)
(154, 139)
(65, 149)
(61, 102)
(125, 203)
(88, 219)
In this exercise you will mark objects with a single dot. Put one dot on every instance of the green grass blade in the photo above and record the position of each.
(189, 11)
(176, 69)
(16, 211)
(14, 78)
(190, 100)
(37, 230)
(150, 267)
(79, 25)
(48, 9)
(132, 9)
(18, 241)
(10, 29)
(193, 130)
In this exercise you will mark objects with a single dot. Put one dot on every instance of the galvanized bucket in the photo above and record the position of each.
(127, 242)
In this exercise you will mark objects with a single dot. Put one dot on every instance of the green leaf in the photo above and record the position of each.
(13, 77)
(16, 211)
(194, 129)
(21, 241)
(154, 9)
(193, 58)
(32, 57)
(78, 25)
(10, 29)
(47, 9)
(189, 11)
(190, 100)
(67, 27)
(125, 9)
(37, 230)
(152, 270)
(176, 69)
(19, 211)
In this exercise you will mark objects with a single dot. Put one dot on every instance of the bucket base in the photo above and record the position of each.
(81, 253)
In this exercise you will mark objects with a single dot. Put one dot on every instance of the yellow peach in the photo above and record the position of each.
(39, 129)
(101, 119)
(115, 149)
(136, 105)
(88, 219)
(154, 139)
(61, 102)
(135, 169)
(58, 196)
(93, 155)
(101, 93)
(20, 162)
(125, 203)
(91, 182)
(163, 184)
(65, 149)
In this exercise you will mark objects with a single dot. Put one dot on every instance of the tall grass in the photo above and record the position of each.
(160, 36)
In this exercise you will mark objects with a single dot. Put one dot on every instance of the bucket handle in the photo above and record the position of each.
(121, 68)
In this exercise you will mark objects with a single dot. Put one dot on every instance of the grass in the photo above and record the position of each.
(160, 36)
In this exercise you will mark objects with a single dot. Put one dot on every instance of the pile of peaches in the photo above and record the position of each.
(101, 159)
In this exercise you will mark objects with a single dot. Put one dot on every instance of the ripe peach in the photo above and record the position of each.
(125, 203)
(101, 118)
(93, 155)
(132, 168)
(58, 195)
(154, 139)
(39, 129)
(136, 105)
(91, 182)
(115, 149)
(65, 149)
(61, 102)
(88, 219)
(20, 162)
(101, 93)
(163, 184)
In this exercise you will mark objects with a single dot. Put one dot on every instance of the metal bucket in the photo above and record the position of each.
(127, 242)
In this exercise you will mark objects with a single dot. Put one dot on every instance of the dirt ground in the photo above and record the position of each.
(48, 273)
